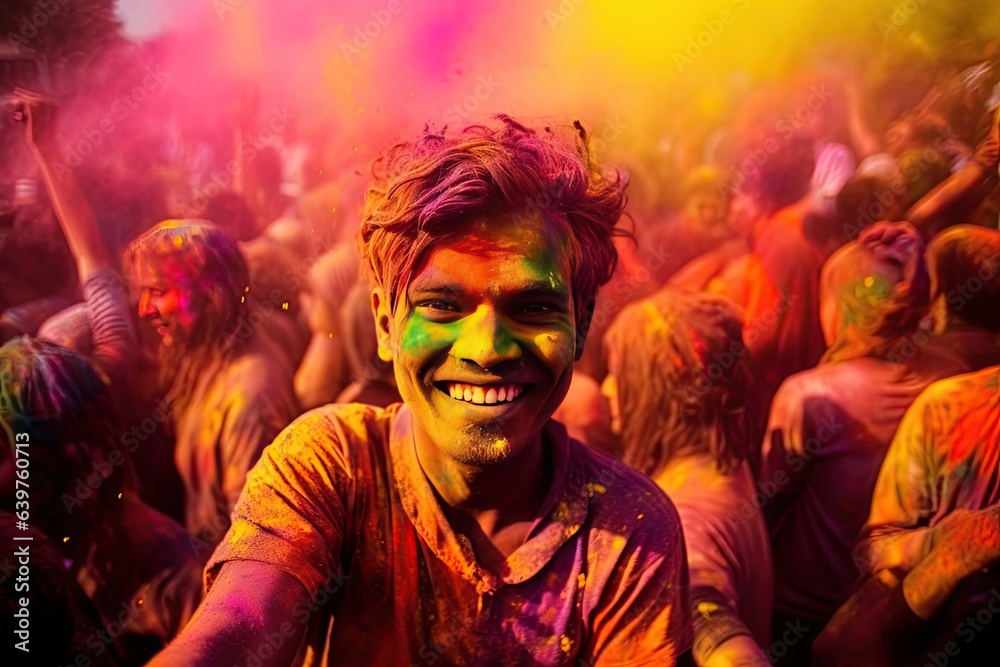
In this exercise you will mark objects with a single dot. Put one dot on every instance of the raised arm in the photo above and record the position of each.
(958, 195)
(248, 604)
(114, 345)
(71, 207)
(864, 141)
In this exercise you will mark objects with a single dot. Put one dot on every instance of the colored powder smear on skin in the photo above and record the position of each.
(421, 334)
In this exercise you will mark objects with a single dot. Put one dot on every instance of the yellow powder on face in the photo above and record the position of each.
(594, 487)
(565, 643)
(581, 580)
(618, 543)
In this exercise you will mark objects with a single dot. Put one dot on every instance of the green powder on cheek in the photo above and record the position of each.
(420, 334)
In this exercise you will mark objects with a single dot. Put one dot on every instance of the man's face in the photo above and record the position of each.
(705, 210)
(484, 339)
(166, 302)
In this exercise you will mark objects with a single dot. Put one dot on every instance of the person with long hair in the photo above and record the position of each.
(228, 395)
(678, 383)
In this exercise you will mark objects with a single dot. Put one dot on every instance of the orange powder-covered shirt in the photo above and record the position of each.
(340, 502)
(945, 456)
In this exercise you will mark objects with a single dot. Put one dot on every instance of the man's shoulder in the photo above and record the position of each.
(621, 498)
(340, 424)
(985, 380)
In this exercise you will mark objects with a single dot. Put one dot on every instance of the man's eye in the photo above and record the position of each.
(438, 304)
(540, 309)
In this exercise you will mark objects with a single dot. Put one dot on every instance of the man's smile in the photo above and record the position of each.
(482, 394)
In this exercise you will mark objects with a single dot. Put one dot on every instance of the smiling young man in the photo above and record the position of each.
(462, 526)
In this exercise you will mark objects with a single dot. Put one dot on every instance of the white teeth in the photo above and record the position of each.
(479, 395)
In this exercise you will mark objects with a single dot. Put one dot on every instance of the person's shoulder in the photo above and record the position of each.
(621, 497)
(828, 379)
(341, 422)
(349, 440)
(967, 387)
(796, 390)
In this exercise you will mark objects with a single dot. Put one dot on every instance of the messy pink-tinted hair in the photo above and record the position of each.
(430, 190)
(683, 380)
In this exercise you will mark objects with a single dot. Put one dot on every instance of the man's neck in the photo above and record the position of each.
(501, 499)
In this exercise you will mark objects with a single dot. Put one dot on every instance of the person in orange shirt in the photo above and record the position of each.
(463, 525)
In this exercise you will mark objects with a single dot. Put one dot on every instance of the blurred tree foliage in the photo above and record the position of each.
(68, 33)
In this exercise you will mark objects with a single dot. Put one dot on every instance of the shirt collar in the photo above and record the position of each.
(560, 516)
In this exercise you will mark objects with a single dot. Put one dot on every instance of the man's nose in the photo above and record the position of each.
(146, 308)
(485, 339)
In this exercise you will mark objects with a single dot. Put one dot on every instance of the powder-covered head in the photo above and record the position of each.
(205, 267)
(964, 263)
(58, 401)
(431, 189)
(874, 291)
(679, 380)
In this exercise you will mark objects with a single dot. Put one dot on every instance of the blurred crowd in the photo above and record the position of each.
(799, 345)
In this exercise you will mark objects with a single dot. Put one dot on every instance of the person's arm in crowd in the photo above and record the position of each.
(321, 374)
(71, 207)
(248, 602)
(953, 200)
(879, 622)
(286, 532)
(896, 532)
(115, 346)
(721, 637)
(784, 463)
(864, 141)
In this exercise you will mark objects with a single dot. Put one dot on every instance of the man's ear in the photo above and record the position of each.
(383, 323)
(583, 328)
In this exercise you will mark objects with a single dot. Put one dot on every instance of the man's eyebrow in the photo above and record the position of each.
(535, 288)
(542, 288)
(436, 290)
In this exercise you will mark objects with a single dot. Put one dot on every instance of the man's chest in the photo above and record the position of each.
(402, 604)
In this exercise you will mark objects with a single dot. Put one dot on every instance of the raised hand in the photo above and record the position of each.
(38, 113)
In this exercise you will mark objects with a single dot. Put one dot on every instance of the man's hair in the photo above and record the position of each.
(784, 177)
(682, 377)
(218, 273)
(964, 262)
(57, 398)
(882, 289)
(430, 190)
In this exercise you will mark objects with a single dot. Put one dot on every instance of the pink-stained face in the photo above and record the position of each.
(167, 301)
(484, 340)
